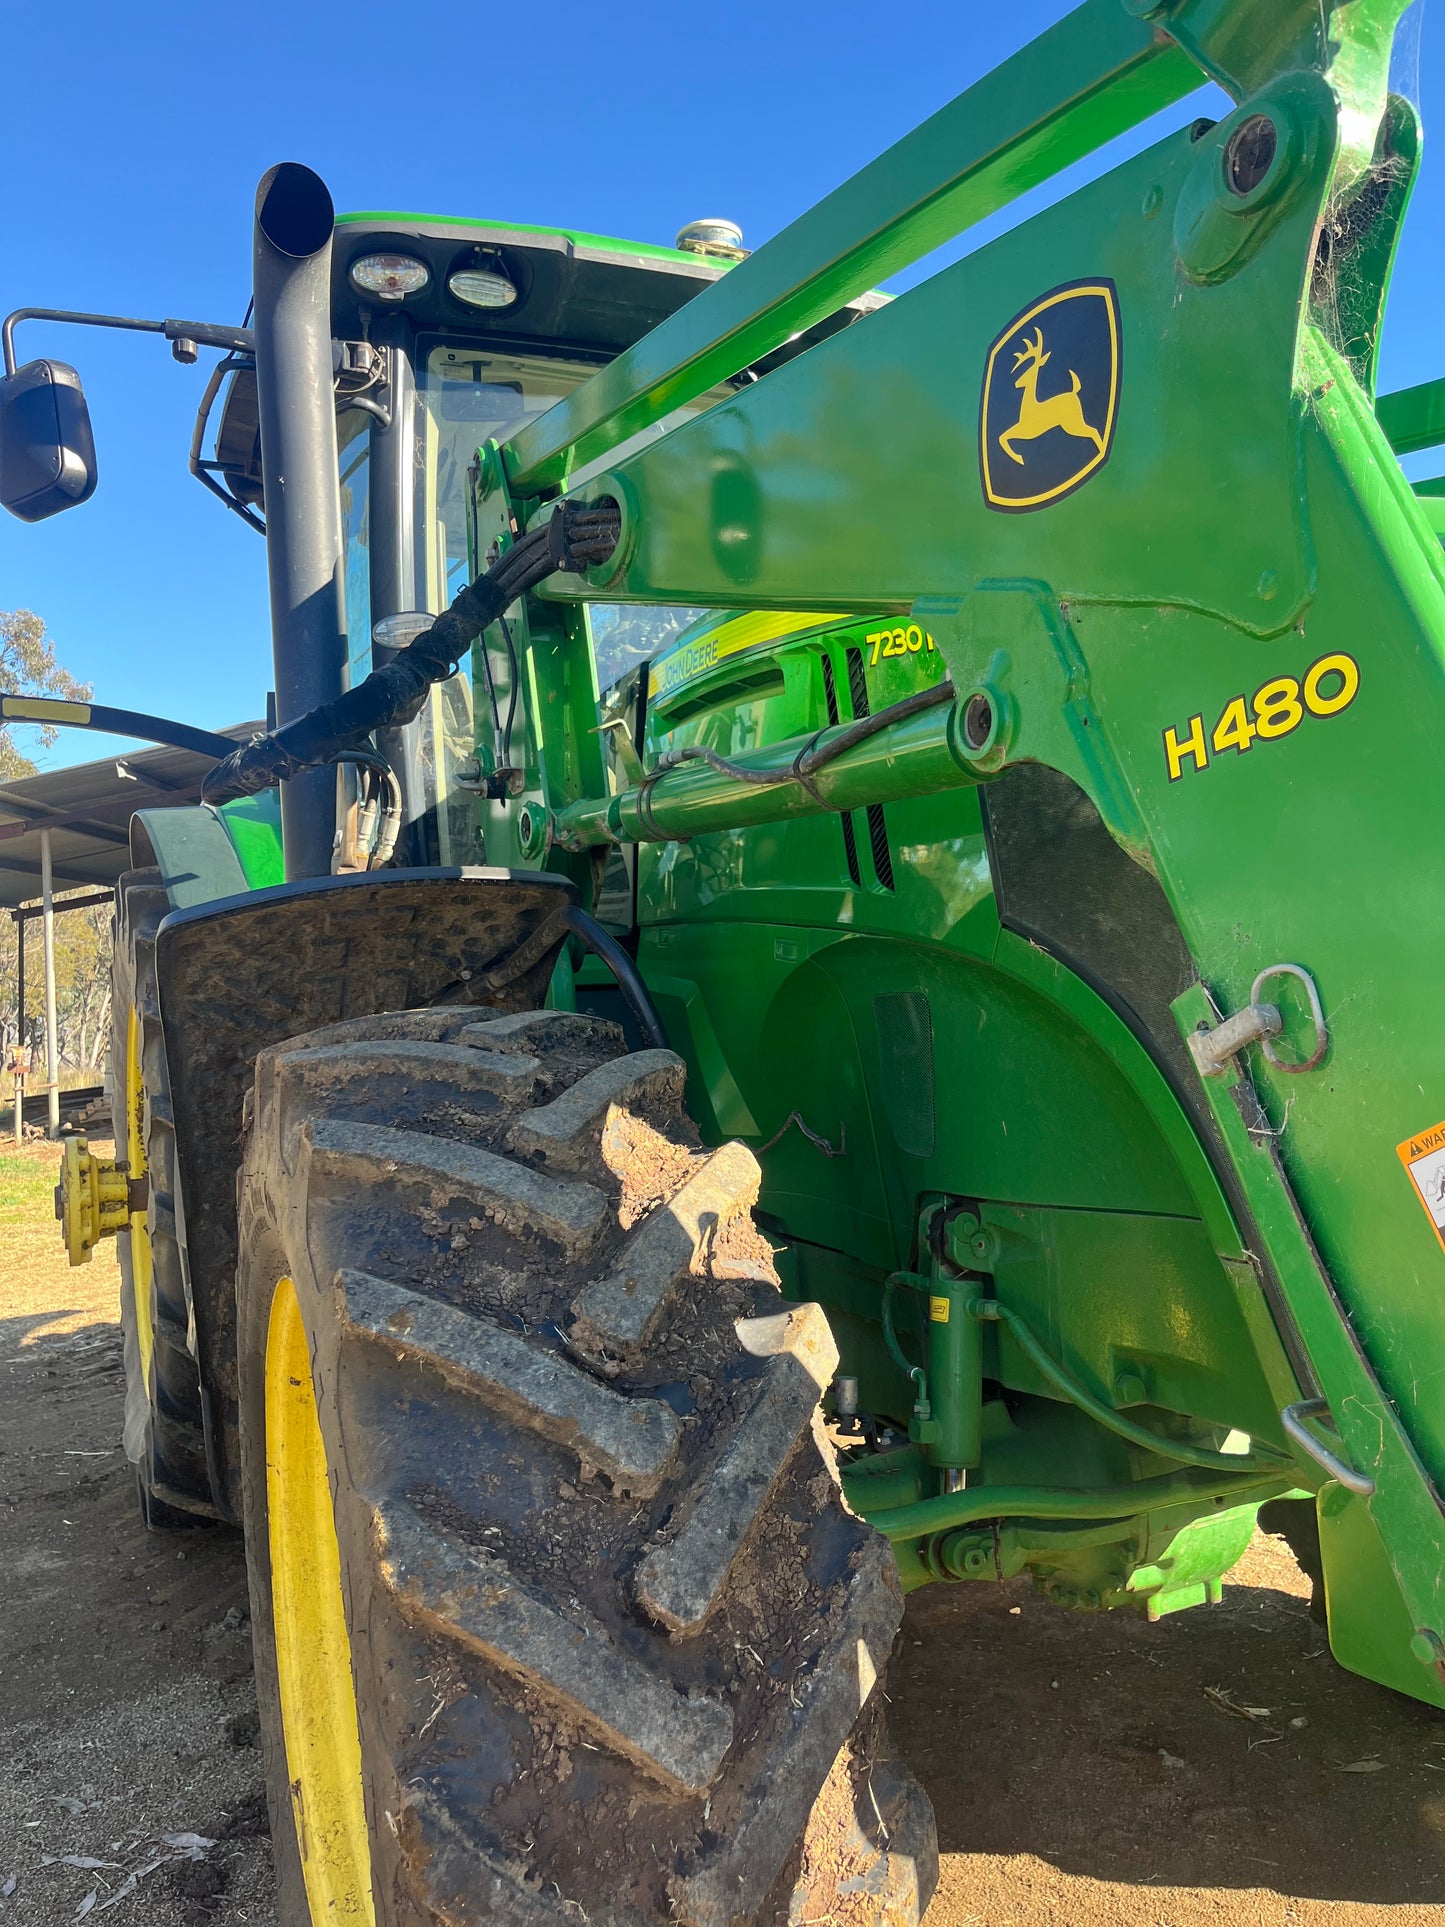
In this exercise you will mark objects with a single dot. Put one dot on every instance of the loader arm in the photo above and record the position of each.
(1206, 596)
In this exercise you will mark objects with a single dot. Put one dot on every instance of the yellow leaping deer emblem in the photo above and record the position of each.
(1036, 417)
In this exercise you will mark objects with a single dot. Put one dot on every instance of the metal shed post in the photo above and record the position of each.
(20, 1028)
(52, 1042)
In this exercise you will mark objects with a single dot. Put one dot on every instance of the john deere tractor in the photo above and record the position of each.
(826, 982)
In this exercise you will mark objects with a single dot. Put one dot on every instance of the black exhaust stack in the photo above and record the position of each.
(294, 382)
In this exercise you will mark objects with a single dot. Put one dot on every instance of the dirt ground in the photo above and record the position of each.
(127, 1718)
(1086, 1771)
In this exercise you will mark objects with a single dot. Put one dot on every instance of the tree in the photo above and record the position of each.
(28, 668)
(82, 938)
(82, 985)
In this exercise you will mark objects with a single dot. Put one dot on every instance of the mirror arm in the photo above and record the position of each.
(204, 334)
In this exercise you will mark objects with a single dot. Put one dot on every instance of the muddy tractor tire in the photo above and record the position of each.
(558, 1613)
(163, 1432)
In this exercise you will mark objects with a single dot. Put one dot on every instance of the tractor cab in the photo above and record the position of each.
(449, 335)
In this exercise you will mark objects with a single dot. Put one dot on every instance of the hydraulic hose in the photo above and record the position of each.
(572, 919)
(577, 536)
(892, 1283)
(815, 755)
(382, 822)
(1068, 1387)
(978, 1502)
(1064, 1382)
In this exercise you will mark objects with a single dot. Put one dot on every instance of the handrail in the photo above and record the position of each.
(1293, 1417)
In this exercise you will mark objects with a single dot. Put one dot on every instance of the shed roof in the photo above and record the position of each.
(87, 810)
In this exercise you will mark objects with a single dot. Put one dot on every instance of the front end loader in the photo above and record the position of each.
(824, 984)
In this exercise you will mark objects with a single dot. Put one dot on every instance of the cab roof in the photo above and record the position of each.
(591, 291)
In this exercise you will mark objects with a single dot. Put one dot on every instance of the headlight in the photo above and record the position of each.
(389, 277)
(482, 287)
(395, 632)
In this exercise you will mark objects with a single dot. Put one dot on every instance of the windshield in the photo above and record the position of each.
(467, 394)
(472, 395)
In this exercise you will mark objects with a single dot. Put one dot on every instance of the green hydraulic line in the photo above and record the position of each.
(916, 756)
(891, 1284)
(1062, 1380)
(1069, 1387)
(974, 1503)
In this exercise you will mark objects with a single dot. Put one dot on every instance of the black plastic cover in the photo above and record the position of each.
(47, 452)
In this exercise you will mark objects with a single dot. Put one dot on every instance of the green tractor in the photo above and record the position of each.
(824, 983)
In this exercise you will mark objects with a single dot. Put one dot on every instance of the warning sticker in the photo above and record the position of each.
(1423, 1156)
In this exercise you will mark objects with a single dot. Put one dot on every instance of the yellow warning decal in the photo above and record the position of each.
(1423, 1157)
(38, 709)
(938, 1310)
(730, 639)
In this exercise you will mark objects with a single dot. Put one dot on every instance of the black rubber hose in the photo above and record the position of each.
(577, 536)
(815, 755)
(590, 934)
(627, 976)
(513, 678)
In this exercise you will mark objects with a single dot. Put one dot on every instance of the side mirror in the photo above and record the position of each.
(47, 452)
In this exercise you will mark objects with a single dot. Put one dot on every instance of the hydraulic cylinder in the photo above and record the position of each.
(955, 1376)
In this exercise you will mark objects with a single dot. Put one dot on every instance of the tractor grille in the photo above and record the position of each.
(878, 839)
(877, 827)
(857, 683)
(850, 841)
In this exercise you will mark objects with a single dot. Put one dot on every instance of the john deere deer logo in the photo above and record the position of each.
(1035, 448)
(1054, 411)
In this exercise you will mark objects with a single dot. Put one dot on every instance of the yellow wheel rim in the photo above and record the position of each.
(135, 1153)
(313, 1651)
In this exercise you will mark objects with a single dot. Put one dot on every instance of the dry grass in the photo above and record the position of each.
(35, 1273)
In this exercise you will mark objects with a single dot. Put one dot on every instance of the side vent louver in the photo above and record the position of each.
(877, 827)
(850, 841)
(878, 838)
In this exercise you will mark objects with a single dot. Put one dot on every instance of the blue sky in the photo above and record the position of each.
(135, 138)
